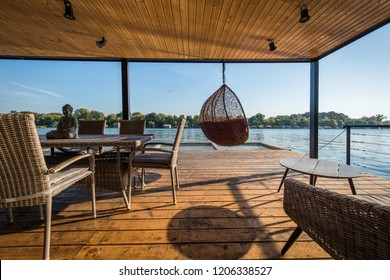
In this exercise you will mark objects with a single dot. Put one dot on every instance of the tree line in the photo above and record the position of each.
(158, 120)
(325, 119)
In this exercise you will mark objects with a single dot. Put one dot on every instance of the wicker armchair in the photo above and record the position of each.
(25, 179)
(345, 226)
(145, 157)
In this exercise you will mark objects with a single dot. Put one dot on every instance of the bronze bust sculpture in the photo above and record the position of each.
(67, 126)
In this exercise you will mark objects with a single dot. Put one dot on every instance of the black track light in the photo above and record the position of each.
(272, 46)
(304, 14)
(68, 10)
(101, 43)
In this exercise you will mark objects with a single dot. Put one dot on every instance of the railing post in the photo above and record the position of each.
(348, 145)
(314, 101)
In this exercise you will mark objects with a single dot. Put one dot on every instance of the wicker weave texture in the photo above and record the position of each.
(25, 179)
(22, 165)
(111, 174)
(344, 226)
(145, 157)
(92, 127)
(223, 119)
(132, 126)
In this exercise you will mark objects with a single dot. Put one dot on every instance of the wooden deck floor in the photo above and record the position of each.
(228, 208)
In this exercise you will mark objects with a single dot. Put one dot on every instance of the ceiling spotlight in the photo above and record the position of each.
(304, 14)
(272, 46)
(101, 43)
(68, 10)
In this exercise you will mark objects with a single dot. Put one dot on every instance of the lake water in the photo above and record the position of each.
(370, 147)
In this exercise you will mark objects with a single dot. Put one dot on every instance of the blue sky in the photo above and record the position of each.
(354, 80)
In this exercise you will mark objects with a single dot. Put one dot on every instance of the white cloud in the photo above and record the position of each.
(39, 90)
(24, 93)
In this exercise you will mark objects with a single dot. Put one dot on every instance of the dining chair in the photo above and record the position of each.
(96, 127)
(132, 126)
(92, 126)
(26, 180)
(158, 158)
(112, 165)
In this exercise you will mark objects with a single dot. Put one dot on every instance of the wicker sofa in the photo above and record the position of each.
(345, 226)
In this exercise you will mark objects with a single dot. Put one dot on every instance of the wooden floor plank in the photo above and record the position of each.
(228, 208)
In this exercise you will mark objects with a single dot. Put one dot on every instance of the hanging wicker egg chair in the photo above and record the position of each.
(222, 118)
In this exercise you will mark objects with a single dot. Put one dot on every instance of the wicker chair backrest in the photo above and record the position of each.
(132, 127)
(179, 135)
(92, 127)
(345, 226)
(23, 171)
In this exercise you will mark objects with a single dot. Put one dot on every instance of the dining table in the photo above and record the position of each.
(98, 140)
(111, 165)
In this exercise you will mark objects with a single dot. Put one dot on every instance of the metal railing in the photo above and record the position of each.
(374, 150)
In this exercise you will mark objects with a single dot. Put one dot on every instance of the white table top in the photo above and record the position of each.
(321, 168)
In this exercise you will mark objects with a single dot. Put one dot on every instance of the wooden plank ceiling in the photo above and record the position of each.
(231, 30)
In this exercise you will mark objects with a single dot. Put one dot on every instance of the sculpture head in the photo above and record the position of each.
(67, 110)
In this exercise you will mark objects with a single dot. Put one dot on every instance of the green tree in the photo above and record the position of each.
(380, 118)
(256, 120)
(160, 120)
(111, 120)
(95, 115)
(169, 119)
(82, 114)
(196, 121)
(137, 116)
(303, 122)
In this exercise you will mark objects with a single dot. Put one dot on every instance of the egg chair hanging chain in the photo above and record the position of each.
(223, 95)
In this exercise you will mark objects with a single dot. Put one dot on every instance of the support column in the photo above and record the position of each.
(125, 89)
(314, 100)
